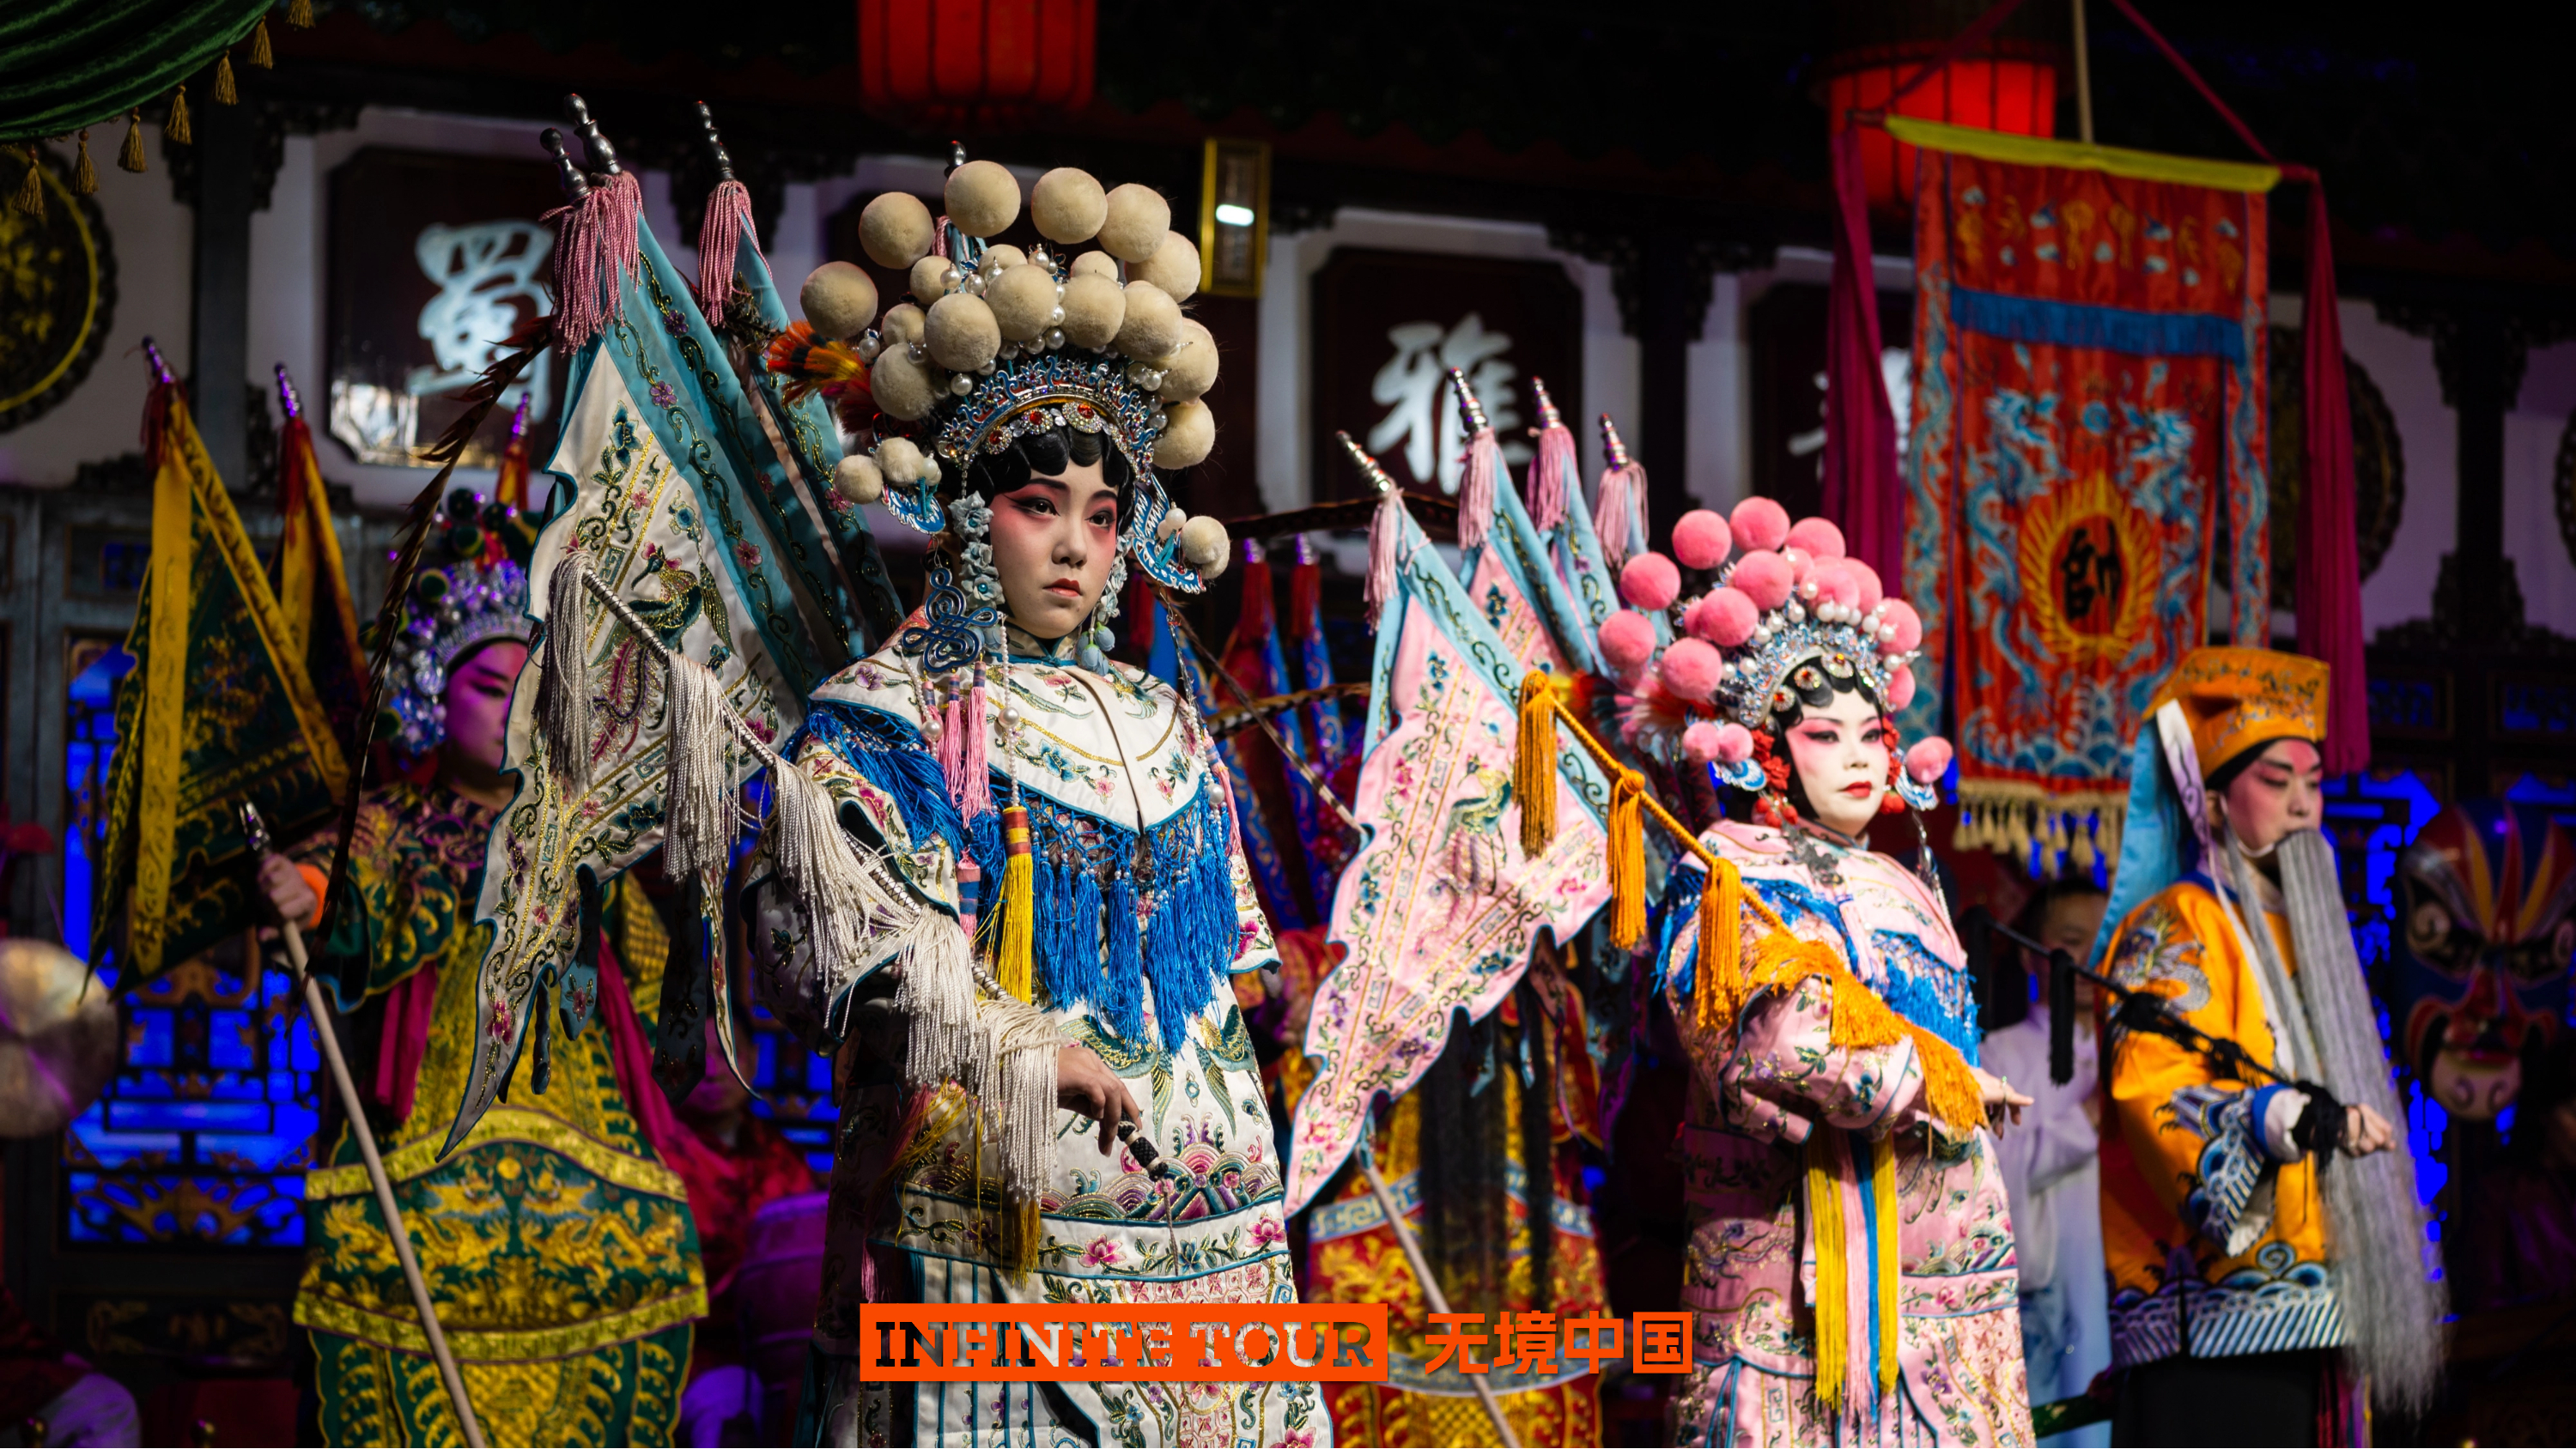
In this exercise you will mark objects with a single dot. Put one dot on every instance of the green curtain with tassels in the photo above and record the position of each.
(65, 64)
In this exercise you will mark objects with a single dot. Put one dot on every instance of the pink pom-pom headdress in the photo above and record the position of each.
(1790, 600)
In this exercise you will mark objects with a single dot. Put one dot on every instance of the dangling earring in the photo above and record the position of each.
(1096, 639)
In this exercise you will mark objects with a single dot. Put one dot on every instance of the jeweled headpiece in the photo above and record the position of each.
(1791, 616)
(999, 343)
(472, 588)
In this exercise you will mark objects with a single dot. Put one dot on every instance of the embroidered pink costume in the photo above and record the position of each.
(1850, 1269)
(1759, 1094)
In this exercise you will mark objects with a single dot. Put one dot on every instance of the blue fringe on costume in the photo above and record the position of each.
(1090, 947)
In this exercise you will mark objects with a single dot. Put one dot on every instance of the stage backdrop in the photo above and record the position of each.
(2087, 446)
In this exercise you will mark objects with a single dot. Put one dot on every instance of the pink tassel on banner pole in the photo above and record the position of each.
(596, 241)
(1619, 504)
(1386, 530)
(727, 226)
(1484, 466)
(2329, 585)
(1861, 492)
(1552, 473)
(974, 794)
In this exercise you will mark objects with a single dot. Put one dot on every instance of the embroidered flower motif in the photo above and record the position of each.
(665, 395)
(748, 553)
(1268, 1230)
(1103, 1253)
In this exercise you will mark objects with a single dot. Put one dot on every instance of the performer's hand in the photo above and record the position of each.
(1084, 1083)
(289, 893)
(1999, 1093)
(2365, 1131)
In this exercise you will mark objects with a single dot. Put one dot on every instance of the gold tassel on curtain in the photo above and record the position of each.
(176, 127)
(30, 199)
(84, 175)
(226, 93)
(260, 54)
(300, 14)
(130, 156)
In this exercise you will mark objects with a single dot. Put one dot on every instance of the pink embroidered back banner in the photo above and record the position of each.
(1439, 909)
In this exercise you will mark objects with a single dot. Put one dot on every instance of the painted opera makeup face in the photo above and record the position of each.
(478, 708)
(1839, 752)
(2487, 933)
(2276, 795)
(1054, 540)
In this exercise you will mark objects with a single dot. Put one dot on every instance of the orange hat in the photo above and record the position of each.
(2243, 699)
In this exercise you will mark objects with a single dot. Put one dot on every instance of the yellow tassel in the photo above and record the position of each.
(84, 175)
(300, 14)
(31, 197)
(260, 54)
(1721, 939)
(1534, 763)
(1021, 1238)
(226, 93)
(131, 156)
(1825, 1219)
(1627, 861)
(176, 128)
(1017, 968)
(1882, 1187)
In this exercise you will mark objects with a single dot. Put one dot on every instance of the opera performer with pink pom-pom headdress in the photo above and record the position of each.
(1850, 1272)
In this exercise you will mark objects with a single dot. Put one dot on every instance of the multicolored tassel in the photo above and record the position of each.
(1015, 963)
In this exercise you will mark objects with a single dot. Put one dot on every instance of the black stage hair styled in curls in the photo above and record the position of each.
(1048, 454)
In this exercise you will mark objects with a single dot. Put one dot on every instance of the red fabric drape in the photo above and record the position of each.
(2329, 584)
(1862, 492)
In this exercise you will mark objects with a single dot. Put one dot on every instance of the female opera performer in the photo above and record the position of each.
(1064, 819)
(1850, 1269)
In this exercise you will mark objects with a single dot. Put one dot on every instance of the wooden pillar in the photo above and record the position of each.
(219, 331)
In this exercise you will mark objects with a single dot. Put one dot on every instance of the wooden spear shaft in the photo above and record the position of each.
(1431, 1293)
(319, 1012)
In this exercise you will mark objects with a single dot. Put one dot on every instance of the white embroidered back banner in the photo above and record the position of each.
(1439, 909)
(684, 552)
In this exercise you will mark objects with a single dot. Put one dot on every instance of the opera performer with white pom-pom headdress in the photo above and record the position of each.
(1061, 1103)
(1850, 1271)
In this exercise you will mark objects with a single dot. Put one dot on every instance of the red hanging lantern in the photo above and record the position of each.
(975, 64)
(2012, 87)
